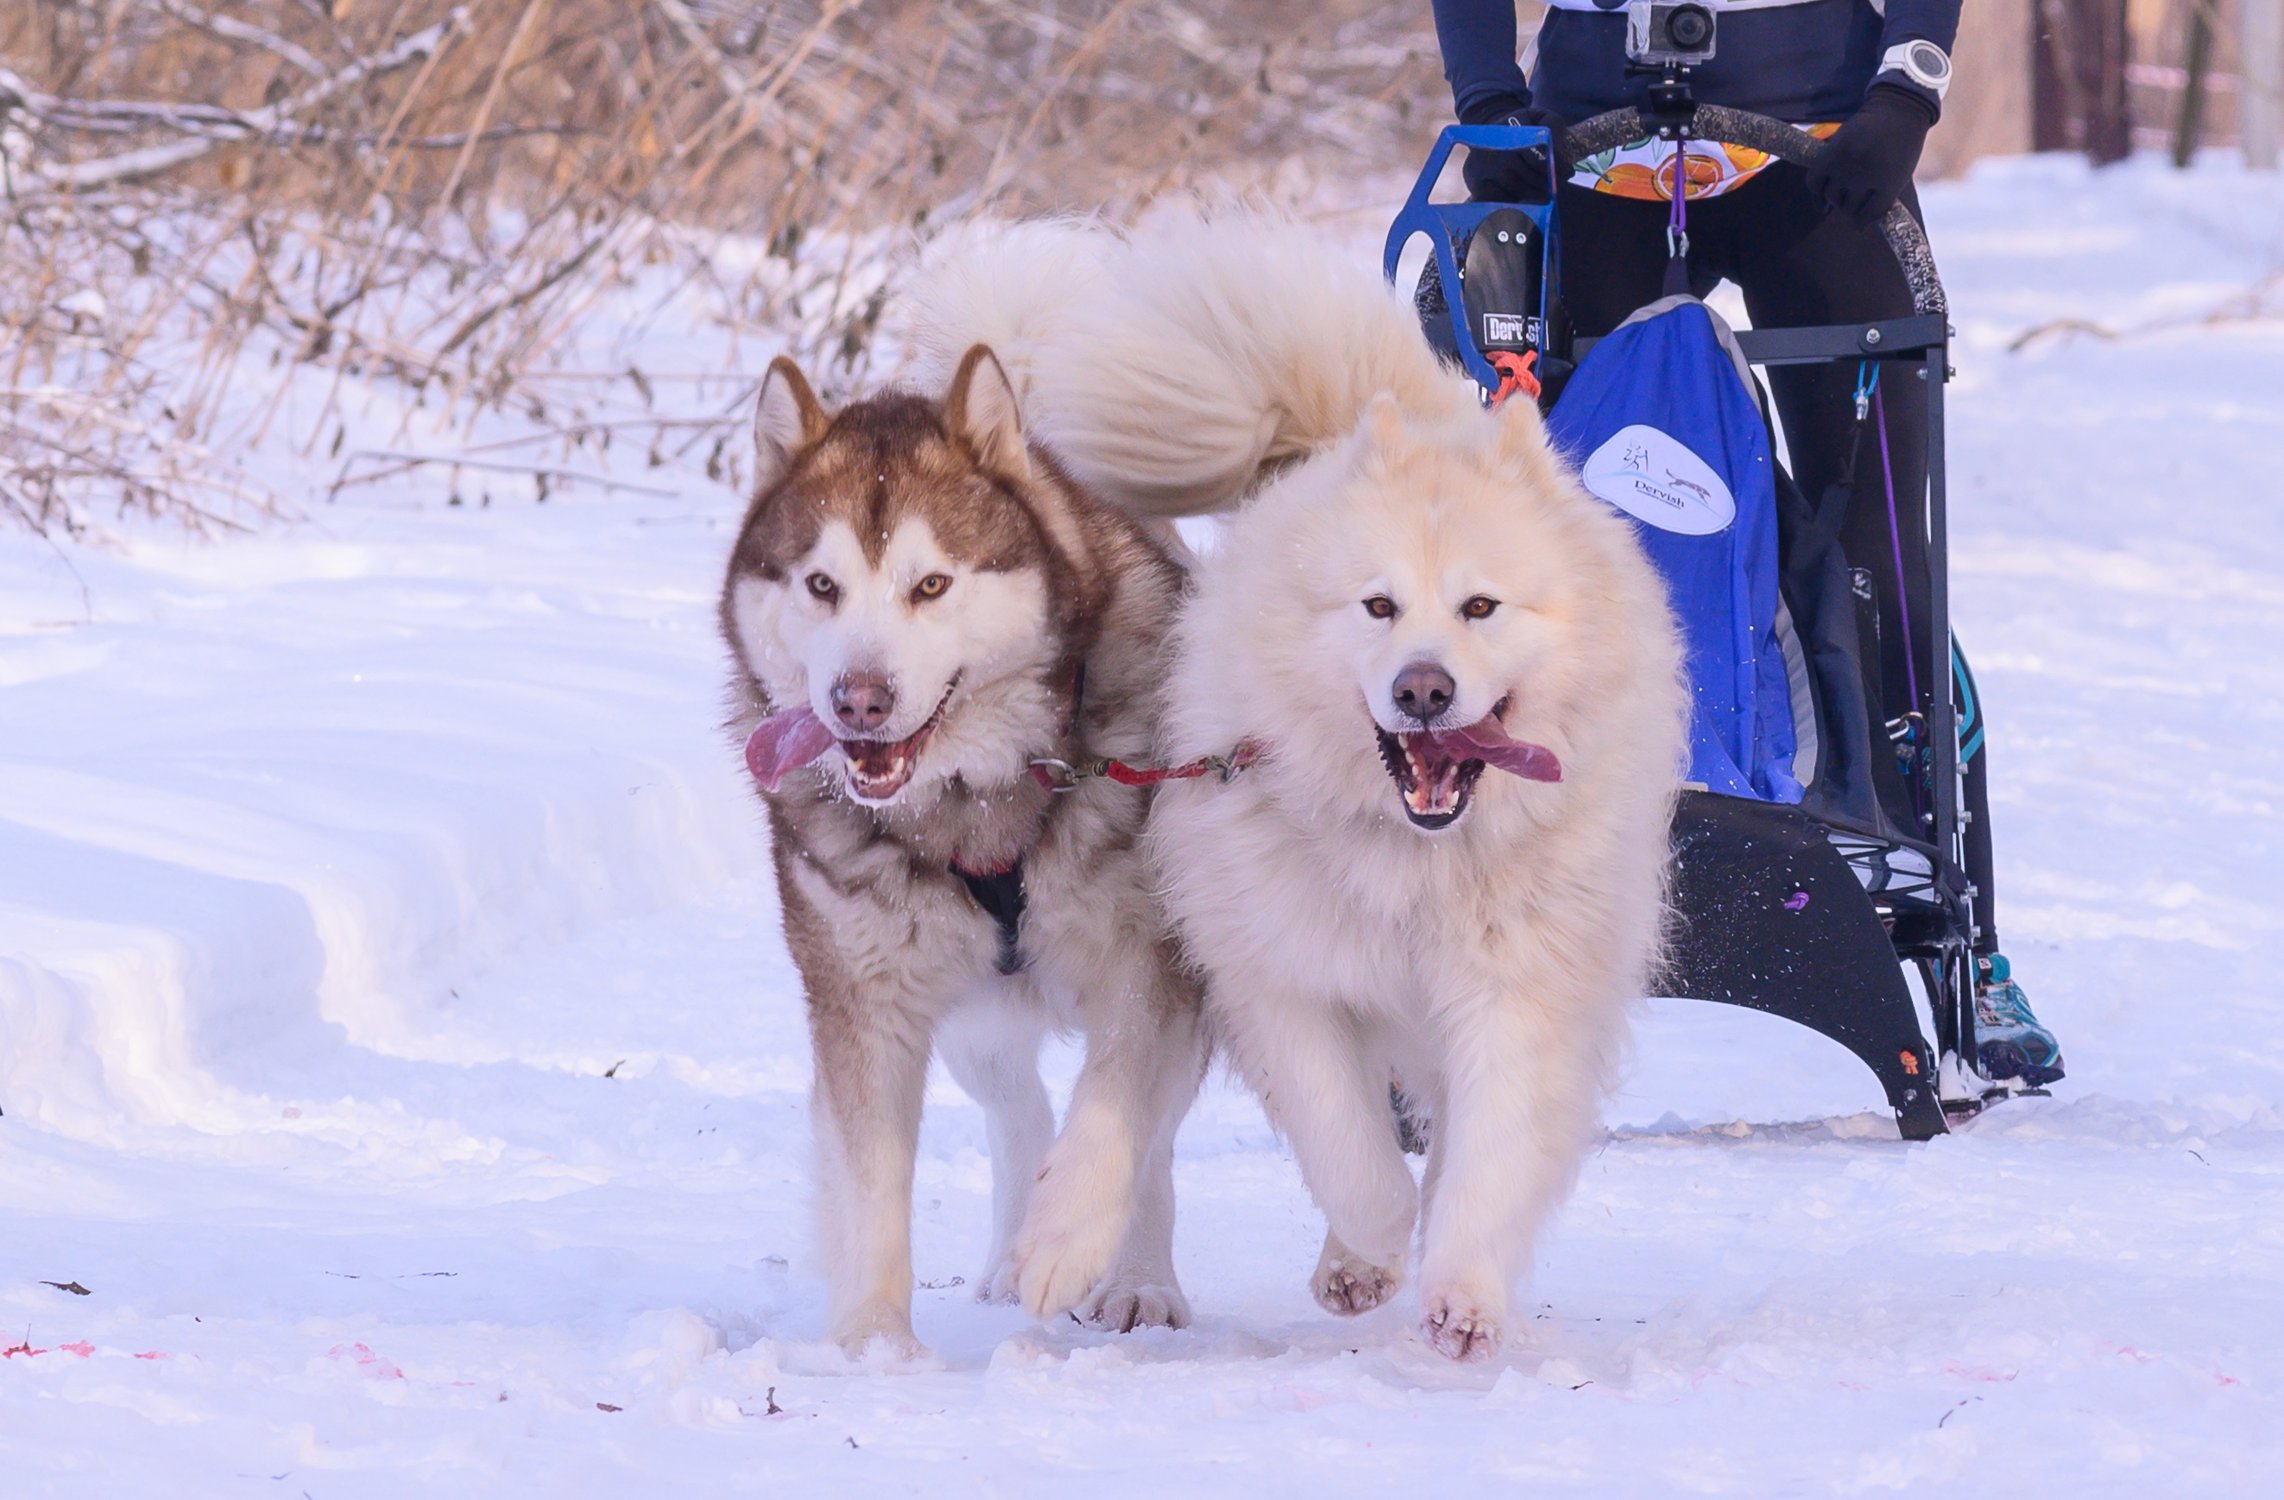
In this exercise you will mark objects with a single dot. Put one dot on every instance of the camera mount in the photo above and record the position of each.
(1665, 41)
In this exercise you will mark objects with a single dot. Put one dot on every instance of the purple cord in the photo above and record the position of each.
(1895, 540)
(1677, 218)
(1677, 225)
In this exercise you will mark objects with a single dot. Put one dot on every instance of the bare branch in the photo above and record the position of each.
(151, 161)
(230, 28)
(502, 208)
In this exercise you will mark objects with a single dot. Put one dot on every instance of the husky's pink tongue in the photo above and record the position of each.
(1486, 740)
(783, 743)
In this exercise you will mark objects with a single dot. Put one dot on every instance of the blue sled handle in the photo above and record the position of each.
(1445, 223)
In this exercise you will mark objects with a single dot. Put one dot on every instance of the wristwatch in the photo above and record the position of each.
(1922, 62)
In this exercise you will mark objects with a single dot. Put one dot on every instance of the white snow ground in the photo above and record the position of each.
(397, 1044)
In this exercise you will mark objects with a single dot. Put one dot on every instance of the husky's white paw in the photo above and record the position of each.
(1067, 1244)
(1122, 1306)
(1347, 1284)
(878, 1324)
(1459, 1326)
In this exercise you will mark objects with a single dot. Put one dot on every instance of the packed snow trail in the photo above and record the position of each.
(397, 1044)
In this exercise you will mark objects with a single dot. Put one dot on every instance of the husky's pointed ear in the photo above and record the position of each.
(981, 411)
(787, 420)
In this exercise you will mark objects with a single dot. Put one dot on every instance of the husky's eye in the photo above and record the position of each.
(1478, 608)
(1380, 607)
(823, 588)
(931, 587)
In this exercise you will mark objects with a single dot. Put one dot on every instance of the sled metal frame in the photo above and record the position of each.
(1779, 911)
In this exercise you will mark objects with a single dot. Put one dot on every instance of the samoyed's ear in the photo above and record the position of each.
(983, 414)
(1384, 420)
(1521, 434)
(787, 420)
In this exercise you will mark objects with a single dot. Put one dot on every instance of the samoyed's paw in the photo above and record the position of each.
(998, 1284)
(1121, 1306)
(1459, 1326)
(1346, 1283)
(1068, 1241)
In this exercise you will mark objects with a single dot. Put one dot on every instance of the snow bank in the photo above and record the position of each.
(288, 783)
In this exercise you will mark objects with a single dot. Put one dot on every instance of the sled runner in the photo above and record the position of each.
(1820, 847)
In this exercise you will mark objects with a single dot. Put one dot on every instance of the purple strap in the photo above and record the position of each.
(1677, 224)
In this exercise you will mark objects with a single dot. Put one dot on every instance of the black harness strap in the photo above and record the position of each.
(1000, 895)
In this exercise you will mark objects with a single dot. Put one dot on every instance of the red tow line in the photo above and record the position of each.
(1063, 776)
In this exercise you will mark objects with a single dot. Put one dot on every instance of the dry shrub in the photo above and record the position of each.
(435, 194)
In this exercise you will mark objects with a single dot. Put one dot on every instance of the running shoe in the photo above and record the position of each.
(2009, 1042)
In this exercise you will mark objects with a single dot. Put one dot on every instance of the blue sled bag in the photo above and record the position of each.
(1660, 421)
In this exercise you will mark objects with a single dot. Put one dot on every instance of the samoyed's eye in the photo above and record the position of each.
(931, 587)
(1380, 607)
(1478, 608)
(823, 588)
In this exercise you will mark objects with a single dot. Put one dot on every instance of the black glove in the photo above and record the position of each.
(1513, 176)
(1868, 162)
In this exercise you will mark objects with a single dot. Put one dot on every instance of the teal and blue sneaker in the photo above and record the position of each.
(2009, 1042)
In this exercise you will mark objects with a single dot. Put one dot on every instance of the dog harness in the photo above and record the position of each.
(1000, 895)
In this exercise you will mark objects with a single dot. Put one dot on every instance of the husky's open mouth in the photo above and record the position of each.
(879, 769)
(1435, 770)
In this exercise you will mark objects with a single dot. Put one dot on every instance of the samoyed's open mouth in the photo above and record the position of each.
(879, 769)
(1434, 774)
(1435, 770)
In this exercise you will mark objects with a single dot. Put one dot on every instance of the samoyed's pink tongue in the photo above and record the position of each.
(1486, 740)
(783, 743)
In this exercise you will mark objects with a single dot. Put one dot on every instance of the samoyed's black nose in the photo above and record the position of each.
(862, 701)
(1423, 690)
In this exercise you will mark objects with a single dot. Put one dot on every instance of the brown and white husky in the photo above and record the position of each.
(920, 604)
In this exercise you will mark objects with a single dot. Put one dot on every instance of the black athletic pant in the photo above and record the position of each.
(1796, 264)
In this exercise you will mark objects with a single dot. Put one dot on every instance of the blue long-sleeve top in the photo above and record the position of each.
(1807, 61)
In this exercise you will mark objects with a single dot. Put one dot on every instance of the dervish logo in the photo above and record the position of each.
(1701, 492)
(1655, 478)
(1510, 328)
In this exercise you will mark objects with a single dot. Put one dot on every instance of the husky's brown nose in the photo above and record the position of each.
(1423, 690)
(862, 701)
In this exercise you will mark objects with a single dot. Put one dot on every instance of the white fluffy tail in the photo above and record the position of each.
(1170, 365)
(1007, 283)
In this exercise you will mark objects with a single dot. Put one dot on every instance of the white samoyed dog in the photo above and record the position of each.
(1459, 688)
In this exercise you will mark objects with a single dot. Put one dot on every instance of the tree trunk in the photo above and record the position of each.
(2078, 99)
(2260, 33)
